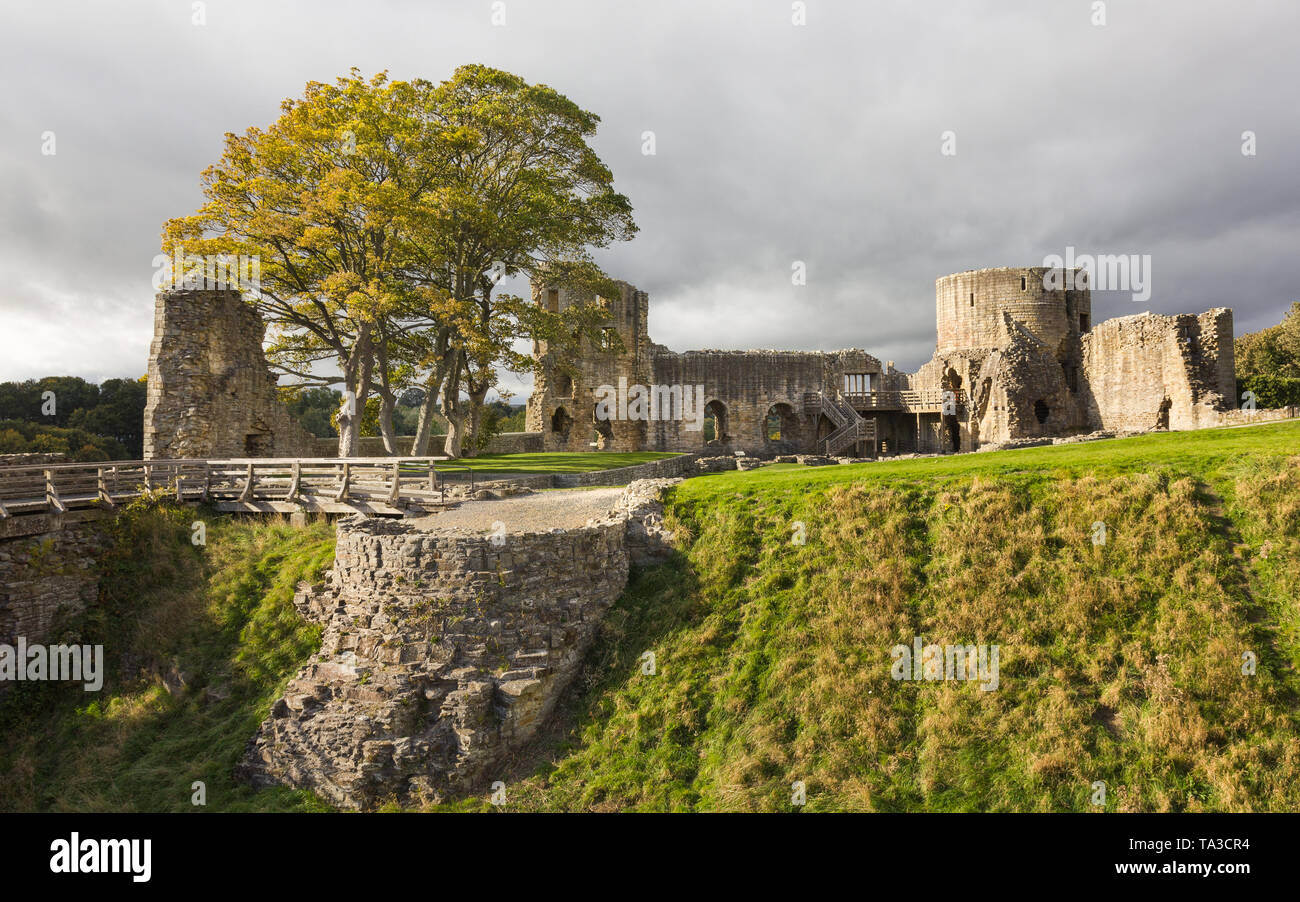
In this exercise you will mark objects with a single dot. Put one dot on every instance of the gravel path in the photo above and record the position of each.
(539, 512)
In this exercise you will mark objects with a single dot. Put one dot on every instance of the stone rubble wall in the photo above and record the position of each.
(743, 385)
(443, 652)
(48, 571)
(210, 393)
(1151, 371)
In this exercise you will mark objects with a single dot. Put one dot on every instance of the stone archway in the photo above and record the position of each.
(715, 423)
(604, 432)
(782, 431)
(561, 423)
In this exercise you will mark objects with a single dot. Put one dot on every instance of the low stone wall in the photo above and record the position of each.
(516, 443)
(367, 446)
(443, 652)
(373, 445)
(48, 568)
(666, 468)
(1254, 417)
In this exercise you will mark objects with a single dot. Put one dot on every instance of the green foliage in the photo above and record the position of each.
(314, 409)
(1271, 390)
(108, 417)
(198, 640)
(1270, 354)
(498, 417)
(21, 436)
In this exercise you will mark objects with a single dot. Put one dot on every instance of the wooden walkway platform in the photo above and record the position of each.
(389, 486)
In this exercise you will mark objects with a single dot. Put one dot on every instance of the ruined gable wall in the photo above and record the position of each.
(1149, 371)
(555, 390)
(210, 393)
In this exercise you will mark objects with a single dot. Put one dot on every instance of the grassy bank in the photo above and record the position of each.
(1119, 662)
(199, 641)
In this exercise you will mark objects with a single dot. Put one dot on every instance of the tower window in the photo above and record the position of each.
(1022, 283)
(1083, 322)
(553, 300)
(972, 299)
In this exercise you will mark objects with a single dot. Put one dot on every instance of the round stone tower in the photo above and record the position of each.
(1048, 303)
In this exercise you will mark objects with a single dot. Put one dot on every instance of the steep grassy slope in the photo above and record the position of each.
(199, 641)
(1119, 662)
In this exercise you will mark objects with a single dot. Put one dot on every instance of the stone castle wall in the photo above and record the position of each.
(210, 392)
(1151, 371)
(741, 388)
(48, 571)
(970, 308)
(443, 652)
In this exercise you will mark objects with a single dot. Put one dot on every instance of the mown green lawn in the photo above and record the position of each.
(556, 462)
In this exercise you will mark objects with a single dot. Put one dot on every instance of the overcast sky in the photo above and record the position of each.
(775, 143)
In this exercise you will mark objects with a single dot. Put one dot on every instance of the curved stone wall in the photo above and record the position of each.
(443, 650)
(969, 309)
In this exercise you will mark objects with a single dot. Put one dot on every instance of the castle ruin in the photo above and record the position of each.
(211, 394)
(1015, 359)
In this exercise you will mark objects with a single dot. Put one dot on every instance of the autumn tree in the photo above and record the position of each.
(1268, 362)
(521, 191)
(328, 198)
(384, 214)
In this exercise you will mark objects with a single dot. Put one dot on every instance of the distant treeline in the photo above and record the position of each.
(68, 415)
(1268, 362)
(84, 421)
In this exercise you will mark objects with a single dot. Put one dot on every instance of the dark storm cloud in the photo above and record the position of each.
(774, 143)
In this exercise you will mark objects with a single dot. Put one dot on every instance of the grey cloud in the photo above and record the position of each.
(775, 144)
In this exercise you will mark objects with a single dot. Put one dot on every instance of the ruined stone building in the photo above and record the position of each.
(1015, 359)
(210, 391)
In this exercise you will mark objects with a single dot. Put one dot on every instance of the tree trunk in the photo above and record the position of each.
(432, 386)
(356, 379)
(476, 397)
(454, 410)
(386, 403)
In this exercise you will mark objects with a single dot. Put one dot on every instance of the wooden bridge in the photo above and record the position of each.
(386, 485)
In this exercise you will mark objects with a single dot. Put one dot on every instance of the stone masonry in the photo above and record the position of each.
(443, 651)
(210, 392)
(48, 570)
(1022, 360)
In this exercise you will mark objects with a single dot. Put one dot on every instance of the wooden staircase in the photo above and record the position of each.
(850, 427)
